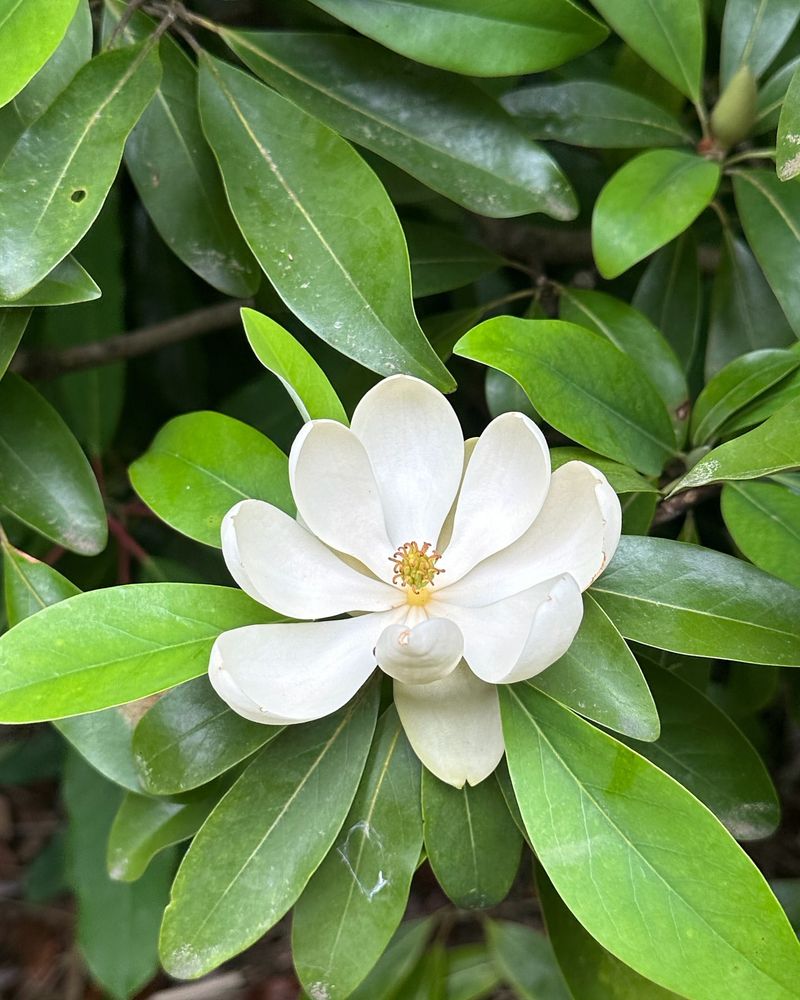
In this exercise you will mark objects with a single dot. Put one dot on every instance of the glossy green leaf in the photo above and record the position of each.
(289, 804)
(442, 260)
(12, 326)
(788, 156)
(30, 585)
(637, 513)
(318, 221)
(771, 97)
(525, 961)
(693, 600)
(114, 646)
(201, 464)
(472, 842)
(190, 737)
(444, 131)
(623, 479)
(753, 33)
(504, 395)
(785, 392)
(598, 677)
(638, 859)
(764, 522)
(649, 201)
(388, 978)
(45, 480)
(105, 740)
(29, 34)
(467, 37)
(594, 114)
(65, 285)
(579, 383)
(72, 152)
(301, 376)
(355, 900)
(770, 214)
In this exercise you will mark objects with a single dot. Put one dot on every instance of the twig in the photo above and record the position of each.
(673, 507)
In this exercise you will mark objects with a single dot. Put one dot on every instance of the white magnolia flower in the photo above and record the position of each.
(462, 567)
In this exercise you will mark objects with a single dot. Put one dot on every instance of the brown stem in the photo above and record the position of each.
(673, 507)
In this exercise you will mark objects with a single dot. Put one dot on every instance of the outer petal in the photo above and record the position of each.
(577, 532)
(504, 487)
(279, 563)
(414, 443)
(290, 673)
(422, 654)
(337, 496)
(453, 725)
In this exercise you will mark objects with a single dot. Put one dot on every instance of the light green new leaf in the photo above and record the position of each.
(446, 132)
(525, 960)
(764, 522)
(262, 843)
(638, 859)
(67, 160)
(753, 33)
(318, 221)
(468, 37)
(29, 584)
(595, 114)
(67, 284)
(442, 259)
(301, 376)
(45, 479)
(107, 647)
(472, 842)
(689, 599)
(649, 201)
(621, 477)
(355, 900)
(581, 384)
(12, 326)
(201, 464)
(788, 157)
(30, 31)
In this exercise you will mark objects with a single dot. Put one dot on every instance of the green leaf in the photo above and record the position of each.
(649, 201)
(29, 584)
(788, 157)
(318, 221)
(388, 978)
(594, 114)
(29, 34)
(737, 384)
(692, 600)
(622, 478)
(442, 259)
(446, 132)
(633, 333)
(599, 678)
(771, 97)
(301, 376)
(105, 740)
(65, 285)
(289, 804)
(471, 840)
(785, 392)
(12, 326)
(581, 384)
(428, 981)
(771, 447)
(201, 464)
(355, 900)
(764, 522)
(471, 974)
(753, 33)
(639, 860)
(467, 37)
(770, 214)
(72, 153)
(668, 34)
(45, 480)
(637, 513)
(525, 960)
(114, 646)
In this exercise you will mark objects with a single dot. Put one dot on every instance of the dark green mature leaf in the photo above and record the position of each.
(105, 740)
(595, 114)
(72, 152)
(201, 464)
(65, 285)
(770, 214)
(388, 979)
(649, 201)
(29, 34)
(355, 900)
(114, 646)
(471, 974)
(623, 479)
(12, 326)
(581, 384)
(771, 97)
(788, 157)
(525, 961)
(442, 260)
(472, 842)
(467, 37)
(638, 859)
(598, 677)
(442, 130)
(692, 600)
(318, 221)
(45, 480)
(29, 584)
(764, 522)
(753, 33)
(289, 804)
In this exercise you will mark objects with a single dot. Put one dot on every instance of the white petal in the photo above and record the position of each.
(281, 564)
(415, 445)
(577, 532)
(337, 496)
(521, 636)
(422, 654)
(453, 725)
(288, 673)
(447, 528)
(504, 487)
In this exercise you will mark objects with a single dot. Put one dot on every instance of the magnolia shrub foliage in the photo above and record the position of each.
(469, 536)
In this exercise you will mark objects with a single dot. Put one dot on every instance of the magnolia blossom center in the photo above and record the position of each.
(415, 568)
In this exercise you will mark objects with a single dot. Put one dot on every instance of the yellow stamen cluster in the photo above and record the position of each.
(415, 566)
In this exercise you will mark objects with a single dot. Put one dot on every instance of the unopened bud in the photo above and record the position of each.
(735, 111)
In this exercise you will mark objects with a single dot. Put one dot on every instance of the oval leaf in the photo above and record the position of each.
(753, 33)
(764, 522)
(788, 158)
(29, 34)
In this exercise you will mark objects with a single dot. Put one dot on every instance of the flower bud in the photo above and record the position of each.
(735, 111)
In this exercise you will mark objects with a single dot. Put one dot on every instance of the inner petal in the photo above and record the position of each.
(421, 653)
